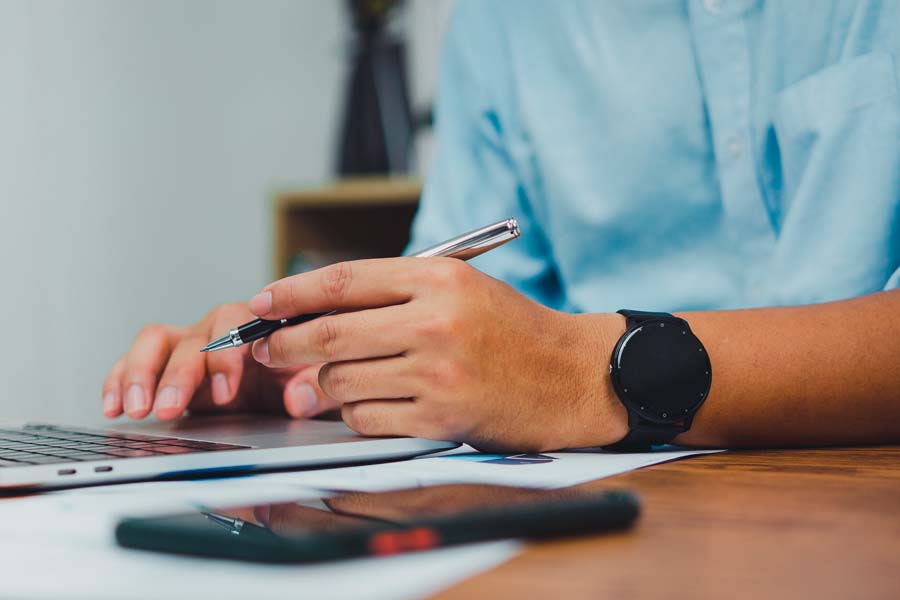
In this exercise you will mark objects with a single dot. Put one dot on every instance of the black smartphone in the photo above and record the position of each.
(353, 524)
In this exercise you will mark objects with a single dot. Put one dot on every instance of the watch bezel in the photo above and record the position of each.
(683, 416)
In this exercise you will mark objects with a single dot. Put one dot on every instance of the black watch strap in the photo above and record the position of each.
(635, 317)
(643, 434)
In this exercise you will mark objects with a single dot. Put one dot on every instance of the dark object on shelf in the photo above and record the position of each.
(377, 131)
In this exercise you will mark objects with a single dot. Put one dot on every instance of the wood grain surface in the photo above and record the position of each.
(820, 523)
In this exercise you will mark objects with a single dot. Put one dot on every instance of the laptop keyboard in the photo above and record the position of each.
(48, 444)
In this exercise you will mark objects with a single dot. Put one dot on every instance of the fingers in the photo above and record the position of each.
(382, 378)
(226, 368)
(303, 397)
(346, 336)
(183, 375)
(143, 363)
(112, 390)
(383, 417)
(355, 284)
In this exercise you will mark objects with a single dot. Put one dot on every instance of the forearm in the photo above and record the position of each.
(825, 374)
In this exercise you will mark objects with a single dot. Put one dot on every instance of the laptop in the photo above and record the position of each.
(40, 456)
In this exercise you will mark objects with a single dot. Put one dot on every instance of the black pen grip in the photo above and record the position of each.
(260, 328)
(304, 318)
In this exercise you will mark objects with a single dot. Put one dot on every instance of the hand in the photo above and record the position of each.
(165, 372)
(434, 348)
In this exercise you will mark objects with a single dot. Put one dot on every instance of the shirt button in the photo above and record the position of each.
(713, 6)
(735, 146)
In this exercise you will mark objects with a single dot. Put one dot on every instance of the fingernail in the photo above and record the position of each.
(135, 399)
(168, 397)
(109, 402)
(220, 391)
(261, 304)
(301, 400)
(261, 351)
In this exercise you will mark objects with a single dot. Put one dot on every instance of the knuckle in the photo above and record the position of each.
(326, 336)
(293, 292)
(336, 280)
(116, 371)
(448, 273)
(279, 350)
(444, 424)
(336, 382)
(351, 414)
(441, 326)
(447, 374)
(359, 418)
(176, 374)
(153, 332)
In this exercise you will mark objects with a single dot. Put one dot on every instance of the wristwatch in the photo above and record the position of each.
(661, 373)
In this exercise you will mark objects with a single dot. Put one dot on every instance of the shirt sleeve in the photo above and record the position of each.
(474, 179)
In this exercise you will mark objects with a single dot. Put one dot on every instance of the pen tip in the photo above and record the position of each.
(218, 344)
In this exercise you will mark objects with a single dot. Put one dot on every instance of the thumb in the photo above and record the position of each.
(302, 395)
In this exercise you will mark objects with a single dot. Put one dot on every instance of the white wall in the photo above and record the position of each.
(139, 143)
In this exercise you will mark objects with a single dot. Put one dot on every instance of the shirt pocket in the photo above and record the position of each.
(838, 140)
(824, 100)
(834, 119)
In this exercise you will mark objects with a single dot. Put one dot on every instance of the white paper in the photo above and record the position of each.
(61, 544)
(94, 568)
(464, 465)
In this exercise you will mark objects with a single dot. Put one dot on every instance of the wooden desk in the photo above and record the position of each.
(761, 524)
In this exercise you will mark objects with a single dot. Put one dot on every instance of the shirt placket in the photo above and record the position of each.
(723, 54)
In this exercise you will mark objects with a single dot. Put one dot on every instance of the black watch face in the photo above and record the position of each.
(662, 371)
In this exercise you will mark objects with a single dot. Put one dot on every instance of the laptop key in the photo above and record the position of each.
(62, 452)
(17, 445)
(65, 447)
(88, 456)
(89, 447)
(44, 444)
(43, 459)
(20, 455)
(15, 458)
(117, 443)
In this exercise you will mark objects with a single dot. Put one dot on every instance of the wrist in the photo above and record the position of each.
(601, 418)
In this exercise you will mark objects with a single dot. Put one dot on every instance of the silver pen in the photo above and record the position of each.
(463, 247)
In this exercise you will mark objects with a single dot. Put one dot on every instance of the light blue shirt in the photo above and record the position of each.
(673, 155)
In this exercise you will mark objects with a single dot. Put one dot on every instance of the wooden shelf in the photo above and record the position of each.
(362, 191)
(364, 217)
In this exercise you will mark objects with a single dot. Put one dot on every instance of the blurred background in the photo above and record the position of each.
(160, 157)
